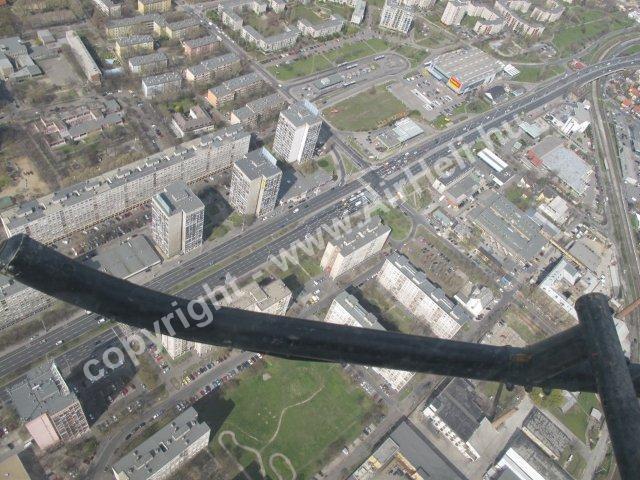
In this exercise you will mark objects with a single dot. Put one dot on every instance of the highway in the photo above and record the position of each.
(321, 209)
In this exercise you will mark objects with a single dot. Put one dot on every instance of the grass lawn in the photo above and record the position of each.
(355, 50)
(441, 122)
(267, 24)
(306, 411)
(399, 223)
(417, 193)
(349, 166)
(533, 74)
(326, 163)
(473, 106)
(300, 68)
(577, 418)
(415, 55)
(368, 110)
(579, 26)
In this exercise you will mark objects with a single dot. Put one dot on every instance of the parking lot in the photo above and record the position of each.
(427, 95)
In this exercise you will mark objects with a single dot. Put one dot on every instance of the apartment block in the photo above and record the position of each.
(273, 43)
(454, 12)
(255, 183)
(197, 121)
(176, 347)
(326, 28)
(177, 219)
(51, 412)
(257, 111)
(89, 67)
(183, 29)
(108, 8)
(162, 84)
(209, 70)
(134, 45)
(297, 132)
(346, 310)
(166, 451)
(396, 16)
(414, 291)
(148, 24)
(154, 6)
(147, 64)
(17, 301)
(79, 206)
(200, 46)
(233, 89)
(273, 298)
(355, 247)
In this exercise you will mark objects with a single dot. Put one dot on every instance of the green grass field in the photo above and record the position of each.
(304, 411)
(368, 110)
(533, 74)
(356, 50)
(415, 55)
(399, 223)
(300, 68)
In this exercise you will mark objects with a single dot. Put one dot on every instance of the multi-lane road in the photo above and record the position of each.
(322, 208)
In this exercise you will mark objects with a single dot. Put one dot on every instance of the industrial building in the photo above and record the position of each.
(297, 132)
(79, 206)
(456, 412)
(397, 16)
(162, 84)
(401, 132)
(89, 66)
(177, 219)
(166, 451)
(408, 454)
(346, 310)
(255, 183)
(51, 412)
(234, 88)
(574, 172)
(422, 298)
(354, 247)
(517, 234)
(465, 69)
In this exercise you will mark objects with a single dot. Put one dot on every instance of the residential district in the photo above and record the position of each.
(460, 169)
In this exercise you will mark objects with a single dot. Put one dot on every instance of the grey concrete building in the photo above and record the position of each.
(166, 451)
(397, 16)
(297, 132)
(162, 84)
(255, 183)
(177, 219)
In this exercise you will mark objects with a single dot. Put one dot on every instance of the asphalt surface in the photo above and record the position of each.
(383, 179)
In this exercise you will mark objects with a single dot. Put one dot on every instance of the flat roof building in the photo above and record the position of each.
(422, 298)
(258, 111)
(162, 84)
(234, 88)
(177, 219)
(126, 259)
(208, 70)
(197, 121)
(166, 451)
(255, 183)
(346, 310)
(465, 69)
(51, 412)
(397, 16)
(150, 63)
(134, 45)
(88, 64)
(297, 132)
(356, 246)
(201, 45)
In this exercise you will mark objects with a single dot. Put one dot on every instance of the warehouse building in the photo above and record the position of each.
(465, 69)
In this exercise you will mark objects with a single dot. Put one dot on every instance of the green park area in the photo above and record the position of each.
(353, 51)
(368, 110)
(415, 55)
(286, 420)
(300, 68)
(582, 25)
(537, 73)
(399, 223)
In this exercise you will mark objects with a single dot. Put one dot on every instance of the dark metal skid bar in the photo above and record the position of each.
(587, 357)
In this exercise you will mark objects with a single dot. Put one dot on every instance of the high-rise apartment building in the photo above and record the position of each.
(346, 310)
(177, 219)
(51, 412)
(356, 246)
(413, 289)
(396, 16)
(255, 183)
(454, 12)
(297, 132)
(166, 451)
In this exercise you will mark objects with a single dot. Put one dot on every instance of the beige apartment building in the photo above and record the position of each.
(354, 247)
